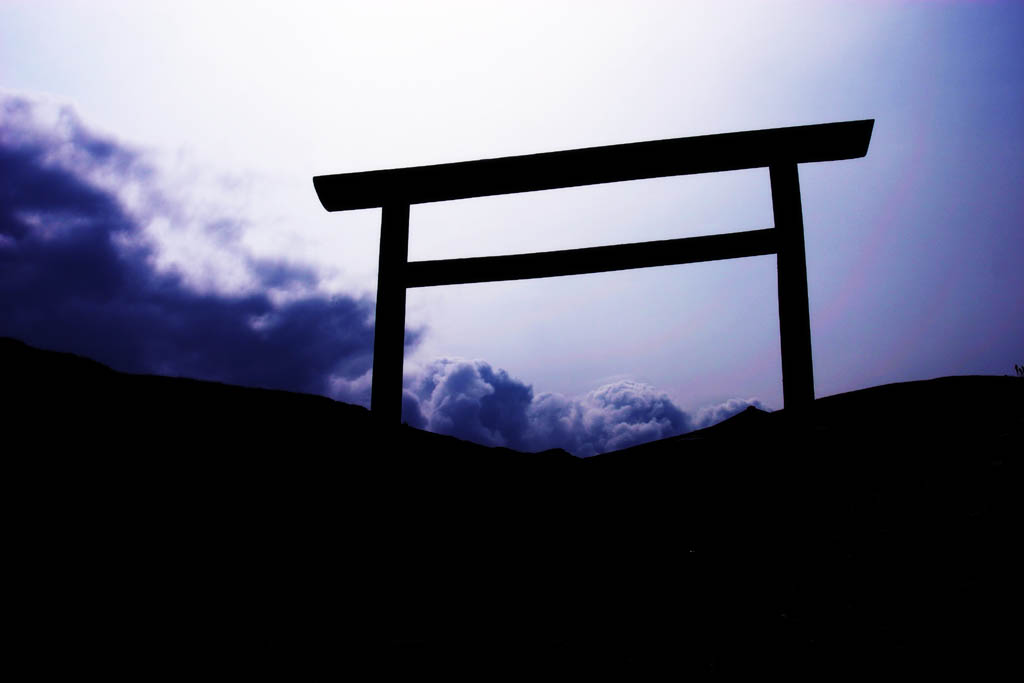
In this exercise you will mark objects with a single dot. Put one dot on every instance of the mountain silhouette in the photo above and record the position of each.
(166, 524)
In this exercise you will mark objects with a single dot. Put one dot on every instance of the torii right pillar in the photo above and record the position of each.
(794, 310)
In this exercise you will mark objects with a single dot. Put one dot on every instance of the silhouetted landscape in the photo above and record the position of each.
(223, 233)
(170, 524)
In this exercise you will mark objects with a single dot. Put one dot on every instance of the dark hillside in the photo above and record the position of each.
(171, 525)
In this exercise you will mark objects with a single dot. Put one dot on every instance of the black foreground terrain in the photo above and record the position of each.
(169, 526)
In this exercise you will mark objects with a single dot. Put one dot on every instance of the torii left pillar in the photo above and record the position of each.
(389, 328)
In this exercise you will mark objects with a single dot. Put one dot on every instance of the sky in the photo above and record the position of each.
(158, 212)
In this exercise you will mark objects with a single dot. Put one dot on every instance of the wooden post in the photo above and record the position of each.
(389, 328)
(794, 315)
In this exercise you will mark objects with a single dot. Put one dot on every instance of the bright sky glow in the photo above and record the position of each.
(913, 252)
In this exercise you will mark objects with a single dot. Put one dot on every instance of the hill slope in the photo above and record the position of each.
(164, 524)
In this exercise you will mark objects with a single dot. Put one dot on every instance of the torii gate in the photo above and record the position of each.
(778, 149)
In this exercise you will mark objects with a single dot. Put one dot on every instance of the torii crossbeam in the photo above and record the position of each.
(778, 149)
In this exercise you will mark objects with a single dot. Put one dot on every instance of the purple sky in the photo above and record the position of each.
(158, 211)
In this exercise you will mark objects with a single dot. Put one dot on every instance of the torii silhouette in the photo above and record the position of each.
(778, 149)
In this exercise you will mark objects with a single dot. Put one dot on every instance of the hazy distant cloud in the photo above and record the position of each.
(714, 414)
(79, 273)
(471, 400)
(610, 418)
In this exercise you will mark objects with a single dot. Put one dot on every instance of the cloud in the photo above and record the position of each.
(710, 415)
(79, 271)
(471, 400)
(100, 257)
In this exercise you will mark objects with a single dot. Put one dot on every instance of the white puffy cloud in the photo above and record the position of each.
(471, 400)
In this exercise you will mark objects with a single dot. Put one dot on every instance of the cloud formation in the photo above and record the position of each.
(471, 400)
(78, 272)
(98, 258)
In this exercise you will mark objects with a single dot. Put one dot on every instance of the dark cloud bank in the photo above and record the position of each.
(77, 274)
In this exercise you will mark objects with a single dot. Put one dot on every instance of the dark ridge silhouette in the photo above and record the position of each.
(170, 525)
